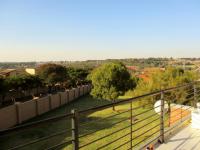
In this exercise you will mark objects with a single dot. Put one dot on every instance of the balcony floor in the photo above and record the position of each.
(186, 139)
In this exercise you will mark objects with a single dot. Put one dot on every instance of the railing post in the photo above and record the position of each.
(169, 110)
(195, 95)
(131, 108)
(181, 112)
(162, 114)
(74, 121)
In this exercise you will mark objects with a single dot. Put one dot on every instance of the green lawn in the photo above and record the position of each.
(90, 123)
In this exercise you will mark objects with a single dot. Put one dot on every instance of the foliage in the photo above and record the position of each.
(25, 82)
(77, 76)
(33, 81)
(165, 79)
(111, 80)
(52, 73)
(3, 86)
(171, 77)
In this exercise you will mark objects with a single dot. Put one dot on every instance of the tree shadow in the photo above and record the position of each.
(94, 123)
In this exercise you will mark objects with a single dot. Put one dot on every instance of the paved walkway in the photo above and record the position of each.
(186, 139)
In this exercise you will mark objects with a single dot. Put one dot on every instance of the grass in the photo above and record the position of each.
(101, 123)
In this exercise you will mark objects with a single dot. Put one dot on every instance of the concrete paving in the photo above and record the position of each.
(187, 139)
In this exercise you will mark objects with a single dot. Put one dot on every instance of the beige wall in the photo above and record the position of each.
(76, 90)
(64, 97)
(71, 95)
(55, 101)
(27, 110)
(43, 105)
(81, 91)
(8, 117)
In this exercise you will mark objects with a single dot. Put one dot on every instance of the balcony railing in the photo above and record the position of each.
(134, 124)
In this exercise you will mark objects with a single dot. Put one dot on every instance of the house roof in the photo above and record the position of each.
(133, 68)
(6, 71)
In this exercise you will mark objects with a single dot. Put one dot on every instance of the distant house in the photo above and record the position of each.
(147, 72)
(30, 71)
(132, 68)
(8, 72)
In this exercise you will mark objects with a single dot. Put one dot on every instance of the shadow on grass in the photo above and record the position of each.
(27, 135)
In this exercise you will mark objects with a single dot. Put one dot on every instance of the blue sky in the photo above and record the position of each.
(41, 30)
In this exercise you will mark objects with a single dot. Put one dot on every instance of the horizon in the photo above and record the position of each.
(35, 31)
(49, 61)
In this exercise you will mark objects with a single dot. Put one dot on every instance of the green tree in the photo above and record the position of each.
(31, 82)
(15, 86)
(3, 90)
(171, 77)
(52, 74)
(77, 76)
(110, 81)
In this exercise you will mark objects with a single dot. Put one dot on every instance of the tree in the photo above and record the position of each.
(159, 80)
(77, 76)
(31, 82)
(1, 85)
(3, 89)
(52, 74)
(110, 81)
(15, 86)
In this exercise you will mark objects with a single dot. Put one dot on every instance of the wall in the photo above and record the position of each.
(81, 90)
(55, 101)
(8, 117)
(27, 110)
(64, 97)
(43, 105)
(71, 95)
(76, 92)
(20, 112)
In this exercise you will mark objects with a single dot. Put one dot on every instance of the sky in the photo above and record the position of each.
(46, 30)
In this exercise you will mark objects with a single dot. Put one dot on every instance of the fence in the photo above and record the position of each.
(134, 124)
(20, 112)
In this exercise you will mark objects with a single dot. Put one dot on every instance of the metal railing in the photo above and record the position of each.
(134, 124)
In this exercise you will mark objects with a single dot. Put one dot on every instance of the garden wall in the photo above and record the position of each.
(20, 112)
(64, 97)
(8, 117)
(27, 110)
(55, 101)
(81, 90)
(43, 105)
(76, 92)
(71, 95)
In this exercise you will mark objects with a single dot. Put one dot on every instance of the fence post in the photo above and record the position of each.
(131, 107)
(162, 113)
(195, 95)
(74, 122)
